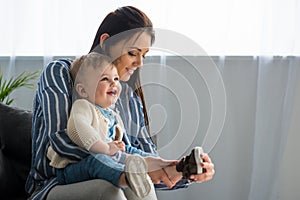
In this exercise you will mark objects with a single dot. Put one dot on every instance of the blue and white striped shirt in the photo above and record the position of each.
(130, 108)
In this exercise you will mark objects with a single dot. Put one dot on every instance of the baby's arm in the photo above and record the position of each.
(110, 148)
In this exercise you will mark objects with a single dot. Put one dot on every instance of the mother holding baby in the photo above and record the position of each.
(125, 35)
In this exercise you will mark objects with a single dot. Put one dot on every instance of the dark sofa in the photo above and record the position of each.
(15, 151)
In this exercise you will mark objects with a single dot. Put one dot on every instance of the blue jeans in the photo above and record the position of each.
(98, 166)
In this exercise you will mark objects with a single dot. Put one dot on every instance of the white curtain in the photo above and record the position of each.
(230, 27)
(261, 103)
(276, 91)
(254, 44)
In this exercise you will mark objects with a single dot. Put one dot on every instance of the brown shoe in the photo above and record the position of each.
(190, 164)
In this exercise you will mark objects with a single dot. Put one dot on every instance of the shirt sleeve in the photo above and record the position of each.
(130, 109)
(143, 139)
(137, 137)
(132, 150)
(55, 97)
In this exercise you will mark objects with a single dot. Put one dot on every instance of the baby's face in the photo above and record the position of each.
(108, 87)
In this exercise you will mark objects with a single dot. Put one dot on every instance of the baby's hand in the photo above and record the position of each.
(113, 147)
(121, 145)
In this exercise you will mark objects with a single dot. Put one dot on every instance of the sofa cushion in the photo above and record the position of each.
(15, 151)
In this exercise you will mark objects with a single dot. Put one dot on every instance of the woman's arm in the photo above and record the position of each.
(137, 137)
(130, 109)
(133, 150)
(54, 94)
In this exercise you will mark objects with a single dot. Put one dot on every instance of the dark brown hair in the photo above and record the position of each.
(125, 19)
(122, 20)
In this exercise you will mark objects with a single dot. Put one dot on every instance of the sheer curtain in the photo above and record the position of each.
(254, 44)
(230, 27)
(251, 153)
(277, 83)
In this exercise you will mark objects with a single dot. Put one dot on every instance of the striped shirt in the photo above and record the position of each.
(130, 108)
(51, 108)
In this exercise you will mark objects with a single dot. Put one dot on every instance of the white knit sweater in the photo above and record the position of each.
(86, 125)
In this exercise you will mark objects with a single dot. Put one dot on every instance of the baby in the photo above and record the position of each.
(96, 128)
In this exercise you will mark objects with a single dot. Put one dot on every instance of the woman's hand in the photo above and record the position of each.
(173, 174)
(156, 163)
(208, 170)
(160, 176)
(156, 170)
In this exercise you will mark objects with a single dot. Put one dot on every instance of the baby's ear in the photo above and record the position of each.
(81, 91)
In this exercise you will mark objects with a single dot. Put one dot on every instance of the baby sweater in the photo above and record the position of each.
(86, 125)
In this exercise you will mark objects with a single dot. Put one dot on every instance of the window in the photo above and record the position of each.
(220, 27)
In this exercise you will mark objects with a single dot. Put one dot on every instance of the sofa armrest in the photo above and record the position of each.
(15, 150)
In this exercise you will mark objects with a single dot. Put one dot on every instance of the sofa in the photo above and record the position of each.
(15, 151)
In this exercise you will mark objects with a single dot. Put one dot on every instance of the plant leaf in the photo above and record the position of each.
(22, 80)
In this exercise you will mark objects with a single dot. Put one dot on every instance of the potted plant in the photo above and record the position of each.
(8, 86)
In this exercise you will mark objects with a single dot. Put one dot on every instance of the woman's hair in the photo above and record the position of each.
(125, 19)
(129, 20)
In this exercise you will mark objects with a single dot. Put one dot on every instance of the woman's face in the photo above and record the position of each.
(130, 54)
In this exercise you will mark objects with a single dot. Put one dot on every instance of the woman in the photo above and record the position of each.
(53, 100)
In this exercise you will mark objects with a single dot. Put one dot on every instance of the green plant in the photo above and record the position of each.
(8, 86)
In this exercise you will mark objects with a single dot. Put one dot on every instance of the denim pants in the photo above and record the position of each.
(98, 166)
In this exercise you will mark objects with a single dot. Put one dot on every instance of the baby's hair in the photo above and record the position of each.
(92, 59)
(80, 65)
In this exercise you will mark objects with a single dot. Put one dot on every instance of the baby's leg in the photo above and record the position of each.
(97, 166)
